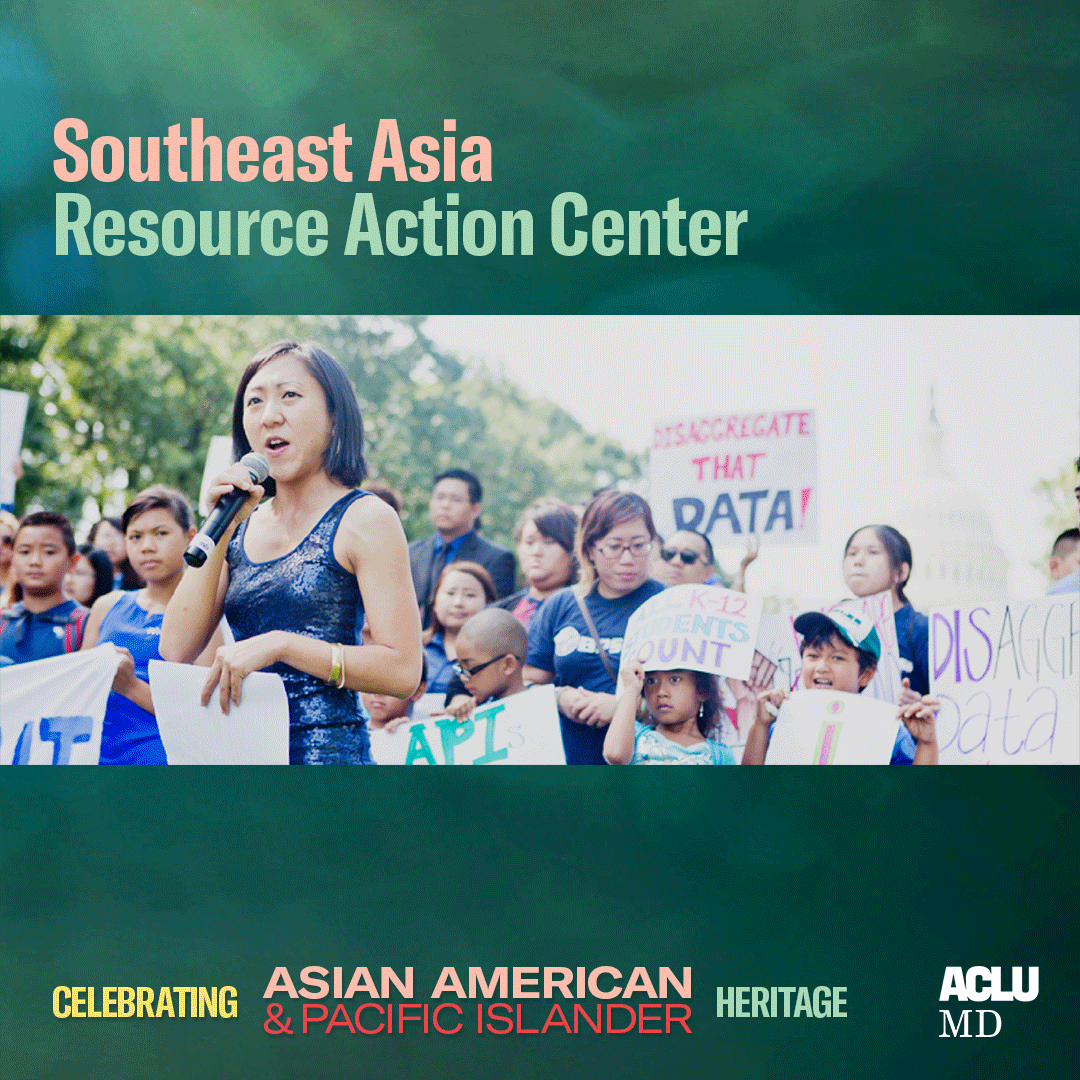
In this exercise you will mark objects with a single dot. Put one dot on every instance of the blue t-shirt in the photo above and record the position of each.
(130, 735)
(913, 643)
(559, 641)
(440, 668)
(653, 748)
(1067, 584)
(28, 635)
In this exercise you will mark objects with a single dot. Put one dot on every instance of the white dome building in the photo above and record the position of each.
(955, 557)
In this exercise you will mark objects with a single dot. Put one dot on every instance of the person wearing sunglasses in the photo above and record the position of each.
(613, 544)
(688, 558)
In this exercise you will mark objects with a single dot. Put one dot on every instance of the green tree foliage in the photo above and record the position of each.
(1060, 492)
(120, 402)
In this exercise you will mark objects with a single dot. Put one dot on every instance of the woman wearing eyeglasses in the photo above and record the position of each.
(613, 544)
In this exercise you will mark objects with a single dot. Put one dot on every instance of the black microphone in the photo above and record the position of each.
(219, 519)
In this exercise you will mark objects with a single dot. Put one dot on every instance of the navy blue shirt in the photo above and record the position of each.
(31, 636)
(913, 643)
(559, 641)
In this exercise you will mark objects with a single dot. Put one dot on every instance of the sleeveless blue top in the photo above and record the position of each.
(305, 592)
(130, 735)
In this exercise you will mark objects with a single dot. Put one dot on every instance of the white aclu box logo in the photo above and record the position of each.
(982, 984)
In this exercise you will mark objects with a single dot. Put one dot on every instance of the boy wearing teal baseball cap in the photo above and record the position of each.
(840, 652)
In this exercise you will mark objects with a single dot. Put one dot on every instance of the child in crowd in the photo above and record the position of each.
(683, 712)
(44, 622)
(877, 559)
(491, 648)
(840, 651)
(386, 714)
(1065, 563)
(158, 526)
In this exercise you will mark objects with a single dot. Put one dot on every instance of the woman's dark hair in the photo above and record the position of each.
(101, 564)
(344, 457)
(709, 687)
(476, 571)
(115, 522)
(896, 547)
(608, 509)
(129, 579)
(160, 497)
(386, 493)
(556, 521)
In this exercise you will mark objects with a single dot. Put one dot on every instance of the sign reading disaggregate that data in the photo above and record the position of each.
(52, 711)
(1007, 674)
(730, 476)
(522, 729)
(696, 628)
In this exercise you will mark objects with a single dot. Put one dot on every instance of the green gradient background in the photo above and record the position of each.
(894, 155)
(871, 878)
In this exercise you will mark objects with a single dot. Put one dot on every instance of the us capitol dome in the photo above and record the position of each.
(955, 557)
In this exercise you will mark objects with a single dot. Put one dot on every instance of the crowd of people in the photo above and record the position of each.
(313, 579)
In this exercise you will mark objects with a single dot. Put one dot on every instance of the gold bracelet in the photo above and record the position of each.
(341, 678)
(336, 656)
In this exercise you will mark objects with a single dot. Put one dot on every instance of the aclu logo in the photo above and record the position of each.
(982, 984)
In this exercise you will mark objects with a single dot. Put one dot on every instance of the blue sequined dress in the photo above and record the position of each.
(305, 592)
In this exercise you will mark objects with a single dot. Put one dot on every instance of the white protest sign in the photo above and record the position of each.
(13, 405)
(218, 459)
(820, 727)
(731, 475)
(1007, 674)
(256, 732)
(886, 683)
(522, 729)
(694, 627)
(778, 642)
(52, 711)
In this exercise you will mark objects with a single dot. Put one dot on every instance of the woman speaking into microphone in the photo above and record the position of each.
(297, 575)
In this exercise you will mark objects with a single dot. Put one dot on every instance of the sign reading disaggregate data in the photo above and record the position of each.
(730, 476)
(1007, 674)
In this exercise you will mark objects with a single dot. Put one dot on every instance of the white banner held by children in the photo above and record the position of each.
(255, 732)
(696, 628)
(522, 729)
(730, 476)
(1008, 678)
(52, 711)
(820, 727)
